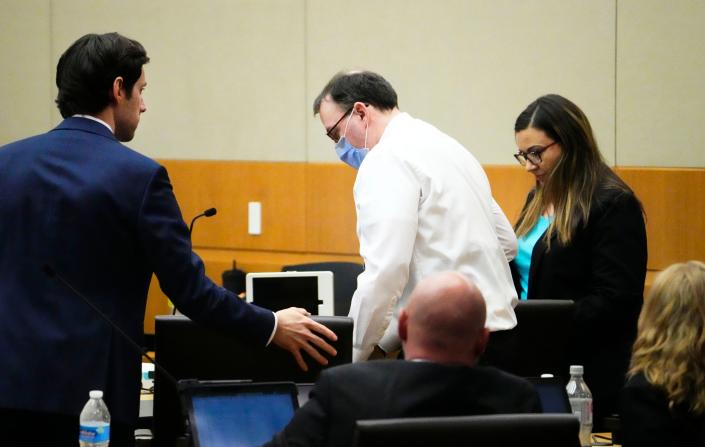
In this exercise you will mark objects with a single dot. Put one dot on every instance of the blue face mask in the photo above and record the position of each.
(348, 153)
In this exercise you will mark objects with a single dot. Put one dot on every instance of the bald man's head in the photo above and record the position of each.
(444, 320)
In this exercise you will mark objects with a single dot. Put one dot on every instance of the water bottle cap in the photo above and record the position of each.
(96, 394)
(576, 369)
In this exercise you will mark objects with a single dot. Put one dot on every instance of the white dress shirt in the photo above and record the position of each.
(424, 205)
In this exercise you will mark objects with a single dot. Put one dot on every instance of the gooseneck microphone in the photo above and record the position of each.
(207, 213)
(50, 272)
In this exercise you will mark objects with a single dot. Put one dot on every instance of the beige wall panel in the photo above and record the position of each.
(469, 67)
(229, 186)
(226, 80)
(661, 83)
(26, 97)
(235, 79)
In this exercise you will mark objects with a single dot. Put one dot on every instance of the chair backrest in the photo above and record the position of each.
(544, 430)
(538, 344)
(234, 280)
(344, 280)
(189, 351)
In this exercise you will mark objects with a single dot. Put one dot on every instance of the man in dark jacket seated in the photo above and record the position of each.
(443, 333)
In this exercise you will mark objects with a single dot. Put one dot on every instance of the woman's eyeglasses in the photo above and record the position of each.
(533, 154)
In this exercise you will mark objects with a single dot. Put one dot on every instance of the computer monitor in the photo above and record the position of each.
(312, 291)
(227, 414)
(538, 344)
(189, 351)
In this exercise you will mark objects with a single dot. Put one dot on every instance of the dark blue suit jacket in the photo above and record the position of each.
(105, 218)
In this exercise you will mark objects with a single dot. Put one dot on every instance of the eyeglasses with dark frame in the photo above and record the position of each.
(330, 131)
(533, 154)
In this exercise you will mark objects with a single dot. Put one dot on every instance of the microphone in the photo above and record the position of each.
(207, 213)
(51, 273)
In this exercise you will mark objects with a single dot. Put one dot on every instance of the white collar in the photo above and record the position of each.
(90, 117)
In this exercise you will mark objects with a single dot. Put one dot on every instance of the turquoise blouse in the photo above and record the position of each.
(526, 247)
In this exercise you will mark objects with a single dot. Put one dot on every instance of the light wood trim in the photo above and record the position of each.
(157, 304)
(253, 261)
(217, 261)
(675, 212)
(330, 209)
(309, 214)
(229, 186)
(510, 186)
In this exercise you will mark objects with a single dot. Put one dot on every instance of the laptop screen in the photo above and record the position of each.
(552, 394)
(280, 293)
(239, 414)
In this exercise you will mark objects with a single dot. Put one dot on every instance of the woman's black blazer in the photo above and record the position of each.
(603, 271)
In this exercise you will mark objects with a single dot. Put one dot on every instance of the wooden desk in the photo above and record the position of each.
(604, 437)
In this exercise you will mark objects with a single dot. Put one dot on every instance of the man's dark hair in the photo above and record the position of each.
(87, 69)
(345, 89)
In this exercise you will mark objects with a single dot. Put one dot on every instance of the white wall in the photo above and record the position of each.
(26, 69)
(235, 79)
(470, 67)
(661, 83)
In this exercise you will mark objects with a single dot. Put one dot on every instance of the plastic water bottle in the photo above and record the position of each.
(95, 422)
(580, 399)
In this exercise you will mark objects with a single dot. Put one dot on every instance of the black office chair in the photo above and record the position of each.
(504, 430)
(344, 281)
(234, 280)
(538, 344)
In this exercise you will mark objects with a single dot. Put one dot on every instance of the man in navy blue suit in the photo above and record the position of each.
(105, 218)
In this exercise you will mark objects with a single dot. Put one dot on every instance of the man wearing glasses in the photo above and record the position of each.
(423, 204)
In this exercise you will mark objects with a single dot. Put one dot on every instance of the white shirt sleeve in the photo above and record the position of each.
(387, 195)
(505, 232)
(274, 329)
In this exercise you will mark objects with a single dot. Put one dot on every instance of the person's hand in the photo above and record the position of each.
(296, 331)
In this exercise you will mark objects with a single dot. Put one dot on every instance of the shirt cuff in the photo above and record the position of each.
(273, 330)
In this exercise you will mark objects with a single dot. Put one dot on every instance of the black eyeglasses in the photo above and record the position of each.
(330, 131)
(533, 154)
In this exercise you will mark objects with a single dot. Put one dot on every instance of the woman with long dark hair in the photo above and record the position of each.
(581, 237)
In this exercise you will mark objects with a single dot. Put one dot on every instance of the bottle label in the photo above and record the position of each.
(582, 409)
(95, 432)
(588, 410)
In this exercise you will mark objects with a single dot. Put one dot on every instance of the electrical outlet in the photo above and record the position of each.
(254, 218)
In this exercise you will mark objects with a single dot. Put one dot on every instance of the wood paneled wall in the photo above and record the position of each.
(674, 202)
(308, 214)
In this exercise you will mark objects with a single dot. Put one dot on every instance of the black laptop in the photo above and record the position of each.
(237, 414)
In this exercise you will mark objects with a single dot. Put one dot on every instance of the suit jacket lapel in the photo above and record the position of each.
(537, 256)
